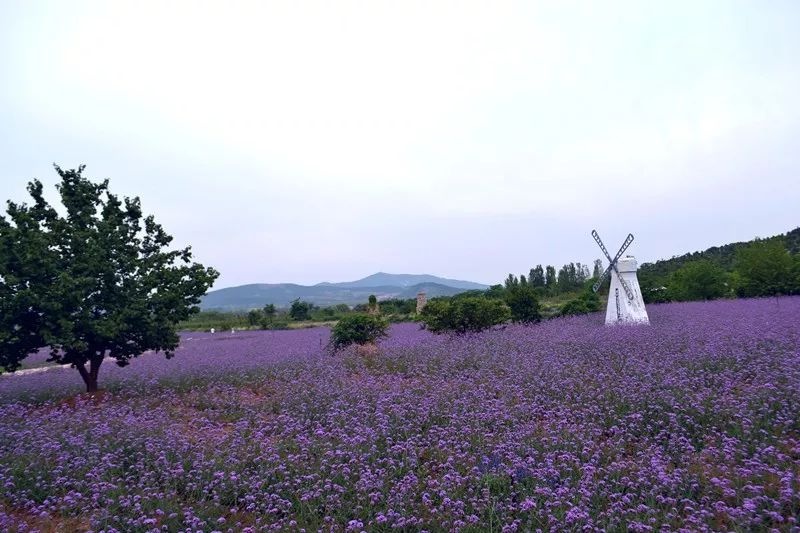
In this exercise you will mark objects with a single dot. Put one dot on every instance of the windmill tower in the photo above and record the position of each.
(625, 302)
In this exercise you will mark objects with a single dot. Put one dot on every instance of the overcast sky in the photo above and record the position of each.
(306, 142)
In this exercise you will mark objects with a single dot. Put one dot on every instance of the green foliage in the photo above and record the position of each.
(98, 281)
(597, 269)
(659, 274)
(550, 279)
(397, 306)
(474, 293)
(330, 313)
(588, 302)
(698, 280)
(280, 321)
(654, 294)
(495, 291)
(523, 303)
(357, 329)
(766, 269)
(300, 310)
(511, 281)
(571, 277)
(536, 277)
(254, 317)
(757, 268)
(463, 315)
(269, 310)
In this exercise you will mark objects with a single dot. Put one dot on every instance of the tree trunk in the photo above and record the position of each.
(90, 376)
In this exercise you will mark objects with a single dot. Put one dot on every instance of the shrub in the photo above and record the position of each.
(522, 302)
(280, 322)
(574, 307)
(463, 315)
(588, 302)
(357, 329)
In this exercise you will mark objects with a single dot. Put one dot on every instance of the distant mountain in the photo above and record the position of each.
(382, 285)
(382, 279)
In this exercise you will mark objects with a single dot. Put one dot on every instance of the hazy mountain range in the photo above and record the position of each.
(381, 284)
(385, 286)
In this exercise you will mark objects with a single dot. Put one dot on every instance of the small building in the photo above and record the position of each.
(422, 301)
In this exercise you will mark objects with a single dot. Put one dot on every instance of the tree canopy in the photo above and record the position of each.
(766, 268)
(523, 303)
(94, 282)
(699, 280)
(300, 310)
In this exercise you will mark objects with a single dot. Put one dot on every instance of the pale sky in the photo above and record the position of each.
(306, 142)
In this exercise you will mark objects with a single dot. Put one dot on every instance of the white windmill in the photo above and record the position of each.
(625, 302)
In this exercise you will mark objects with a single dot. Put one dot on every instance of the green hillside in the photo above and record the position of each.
(653, 276)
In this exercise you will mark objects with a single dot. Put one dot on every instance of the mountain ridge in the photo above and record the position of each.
(381, 284)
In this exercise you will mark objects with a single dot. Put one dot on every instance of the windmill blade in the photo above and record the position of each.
(628, 241)
(601, 245)
(601, 279)
(613, 263)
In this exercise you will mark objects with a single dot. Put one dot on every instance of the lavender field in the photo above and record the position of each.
(692, 423)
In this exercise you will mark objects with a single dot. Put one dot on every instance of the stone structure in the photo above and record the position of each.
(422, 300)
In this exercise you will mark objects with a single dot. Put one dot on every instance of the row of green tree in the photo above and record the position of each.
(765, 267)
(298, 313)
(472, 312)
(547, 281)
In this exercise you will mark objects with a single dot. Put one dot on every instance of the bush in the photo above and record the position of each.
(522, 302)
(588, 302)
(656, 295)
(280, 322)
(463, 315)
(357, 329)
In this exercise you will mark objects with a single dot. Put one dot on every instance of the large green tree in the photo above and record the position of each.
(93, 280)
(765, 268)
(536, 277)
(550, 279)
(300, 310)
(698, 280)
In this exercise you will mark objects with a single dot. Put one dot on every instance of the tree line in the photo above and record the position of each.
(762, 267)
(547, 281)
